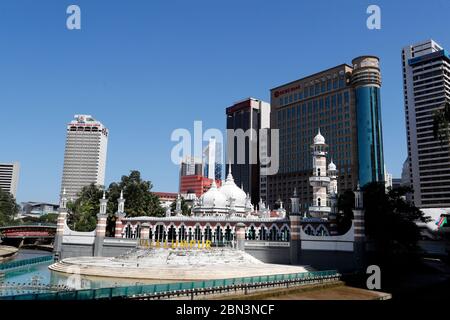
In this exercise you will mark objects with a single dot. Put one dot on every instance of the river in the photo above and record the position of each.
(41, 274)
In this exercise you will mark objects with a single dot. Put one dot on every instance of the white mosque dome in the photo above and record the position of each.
(319, 139)
(213, 198)
(230, 190)
(331, 166)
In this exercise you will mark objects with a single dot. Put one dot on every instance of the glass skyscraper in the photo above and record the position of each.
(367, 82)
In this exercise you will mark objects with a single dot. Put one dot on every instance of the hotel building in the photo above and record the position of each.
(85, 155)
(344, 103)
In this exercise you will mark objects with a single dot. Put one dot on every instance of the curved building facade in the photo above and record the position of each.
(366, 79)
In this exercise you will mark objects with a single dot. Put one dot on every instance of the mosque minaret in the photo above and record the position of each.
(323, 181)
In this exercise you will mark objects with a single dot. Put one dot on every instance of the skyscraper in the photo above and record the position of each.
(213, 160)
(426, 71)
(85, 155)
(246, 118)
(9, 177)
(344, 103)
(191, 166)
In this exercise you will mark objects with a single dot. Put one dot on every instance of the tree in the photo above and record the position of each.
(344, 217)
(83, 211)
(139, 201)
(390, 224)
(441, 124)
(49, 218)
(8, 208)
(186, 210)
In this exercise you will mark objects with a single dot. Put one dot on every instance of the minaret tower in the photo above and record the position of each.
(319, 180)
(333, 195)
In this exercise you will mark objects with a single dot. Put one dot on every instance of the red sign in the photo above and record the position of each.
(284, 91)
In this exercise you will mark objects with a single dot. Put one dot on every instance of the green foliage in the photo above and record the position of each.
(186, 210)
(139, 201)
(50, 218)
(441, 124)
(390, 221)
(8, 208)
(344, 217)
(84, 210)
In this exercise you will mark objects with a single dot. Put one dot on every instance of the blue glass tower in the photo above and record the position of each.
(366, 80)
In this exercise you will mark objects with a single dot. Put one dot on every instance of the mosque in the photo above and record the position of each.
(224, 218)
(215, 214)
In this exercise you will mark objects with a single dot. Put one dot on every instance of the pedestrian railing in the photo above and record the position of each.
(182, 288)
(24, 263)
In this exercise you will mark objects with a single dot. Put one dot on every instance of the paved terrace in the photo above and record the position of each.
(175, 265)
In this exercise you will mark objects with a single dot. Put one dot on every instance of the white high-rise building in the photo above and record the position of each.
(85, 155)
(387, 179)
(213, 162)
(426, 79)
(9, 177)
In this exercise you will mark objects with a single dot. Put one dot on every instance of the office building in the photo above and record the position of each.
(9, 177)
(213, 160)
(195, 184)
(344, 103)
(37, 209)
(85, 155)
(426, 80)
(248, 117)
(191, 166)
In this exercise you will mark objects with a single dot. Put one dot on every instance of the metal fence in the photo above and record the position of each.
(169, 289)
(24, 263)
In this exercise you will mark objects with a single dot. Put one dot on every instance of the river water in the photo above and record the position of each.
(41, 274)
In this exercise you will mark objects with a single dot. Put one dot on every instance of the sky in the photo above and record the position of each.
(145, 68)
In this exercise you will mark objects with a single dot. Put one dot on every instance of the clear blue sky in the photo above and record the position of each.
(144, 68)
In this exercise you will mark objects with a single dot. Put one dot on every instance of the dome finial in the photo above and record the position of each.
(319, 139)
(230, 175)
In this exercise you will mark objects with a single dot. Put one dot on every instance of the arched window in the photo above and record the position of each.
(172, 234)
(309, 230)
(190, 235)
(208, 233)
(198, 233)
(137, 232)
(252, 233)
(128, 232)
(273, 236)
(150, 234)
(322, 231)
(262, 233)
(182, 233)
(160, 233)
(285, 234)
(219, 235)
(318, 172)
(228, 234)
(319, 201)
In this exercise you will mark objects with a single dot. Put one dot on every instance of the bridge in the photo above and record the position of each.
(28, 234)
